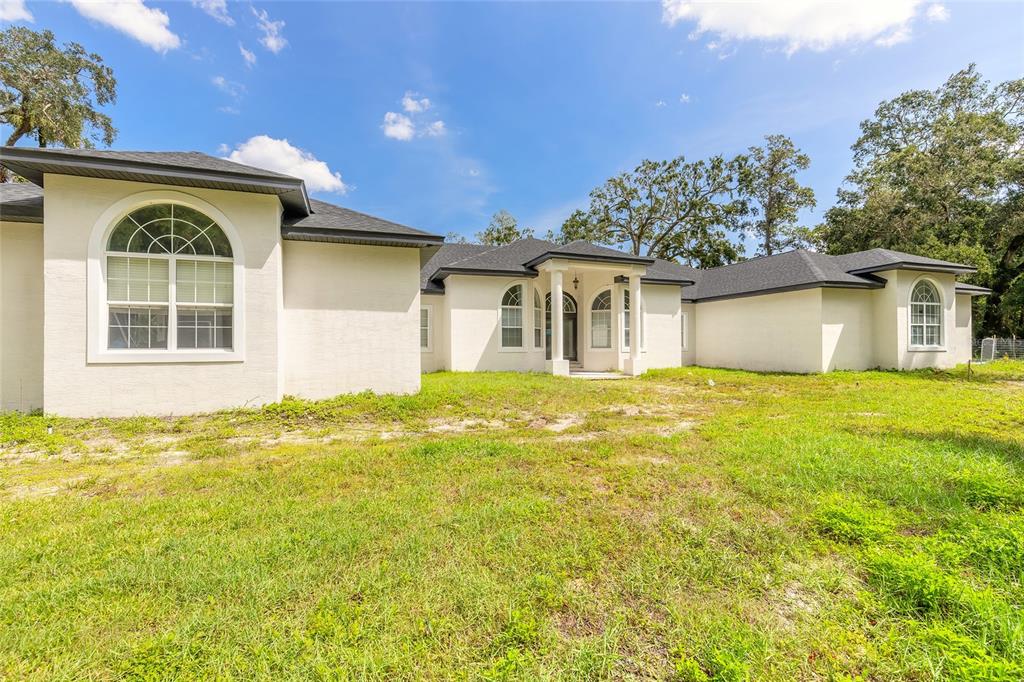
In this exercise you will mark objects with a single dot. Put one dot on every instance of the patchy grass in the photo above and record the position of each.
(693, 525)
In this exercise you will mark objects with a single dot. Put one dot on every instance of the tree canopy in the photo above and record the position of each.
(940, 172)
(53, 93)
(673, 209)
(503, 229)
(775, 195)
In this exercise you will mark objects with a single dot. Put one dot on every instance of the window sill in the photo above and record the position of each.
(146, 357)
(926, 349)
(512, 350)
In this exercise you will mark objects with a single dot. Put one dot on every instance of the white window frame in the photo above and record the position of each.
(924, 347)
(429, 348)
(611, 321)
(502, 348)
(684, 329)
(624, 347)
(98, 313)
(538, 319)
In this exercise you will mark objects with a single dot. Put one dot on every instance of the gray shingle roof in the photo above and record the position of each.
(802, 269)
(329, 220)
(875, 260)
(21, 202)
(517, 260)
(972, 289)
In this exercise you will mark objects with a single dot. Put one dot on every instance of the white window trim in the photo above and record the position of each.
(611, 321)
(685, 329)
(429, 348)
(502, 348)
(623, 346)
(533, 319)
(98, 315)
(923, 348)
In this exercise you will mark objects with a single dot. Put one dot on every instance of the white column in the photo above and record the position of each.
(636, 311)
(557, 364)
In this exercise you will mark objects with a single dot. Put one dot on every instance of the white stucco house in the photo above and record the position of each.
(172, 283)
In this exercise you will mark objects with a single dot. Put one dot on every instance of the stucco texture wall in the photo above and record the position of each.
(906, 356)
(351, 319)
(473, 326)
(689, 350)
(75, 387)
(21, 316)
(847, 338)
(774, 332)
(436, 358)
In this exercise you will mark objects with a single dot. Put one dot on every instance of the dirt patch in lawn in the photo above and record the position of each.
(557, 425)
(463, 425)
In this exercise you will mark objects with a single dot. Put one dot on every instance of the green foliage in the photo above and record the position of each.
(776, 197)
(958, 657)
(940, 173)
(687, 669)
(913, 583)
(503, 229)
(53, 93)
(674, 209)
(986, 487)
(849, 521)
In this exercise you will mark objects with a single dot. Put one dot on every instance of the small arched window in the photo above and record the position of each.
(568, 304)
(170, 281)
(925, 315)
(538, 321)
(601, 320)
(512, 317)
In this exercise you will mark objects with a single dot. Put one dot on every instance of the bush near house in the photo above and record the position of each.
(693, 525)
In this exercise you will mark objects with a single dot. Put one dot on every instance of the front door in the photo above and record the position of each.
(569, 334)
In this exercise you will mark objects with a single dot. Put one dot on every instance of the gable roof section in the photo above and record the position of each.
(519, 258)
(330, 223)
(971, 289)
(802, 269)
(304, 219)
(186, 169)
(787, 271)
(21, 202)
(877, 260)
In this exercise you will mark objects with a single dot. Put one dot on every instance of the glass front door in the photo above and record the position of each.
(568, 327)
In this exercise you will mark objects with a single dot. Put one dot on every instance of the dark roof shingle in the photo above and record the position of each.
(21, 202)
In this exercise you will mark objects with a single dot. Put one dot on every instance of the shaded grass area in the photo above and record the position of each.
(696, 524)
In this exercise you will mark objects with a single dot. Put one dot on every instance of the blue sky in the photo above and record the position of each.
(521, 106)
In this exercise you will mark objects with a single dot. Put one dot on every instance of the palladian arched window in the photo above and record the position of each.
(512, 317)
(925, 315)
(170, 281)
(601, 320)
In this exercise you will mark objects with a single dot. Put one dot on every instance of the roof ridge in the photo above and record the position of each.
(495, 248)
(811, 264)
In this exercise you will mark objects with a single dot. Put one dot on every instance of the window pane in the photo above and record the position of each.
(931, 336)
(136, 279)
(203, 281)
(917, 335)
(931, 314)
(137, 327)
(511, 337)
(601, 328)
(204, 328)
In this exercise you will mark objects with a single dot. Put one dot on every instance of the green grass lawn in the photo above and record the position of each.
(695, 524)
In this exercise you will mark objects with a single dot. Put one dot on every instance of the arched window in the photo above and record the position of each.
(925, 315)
(170, 281)
(512, 317)
(538, 321)
(601, 320)
(568, 304)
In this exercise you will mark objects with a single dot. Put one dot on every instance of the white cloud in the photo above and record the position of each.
(230, 88)
(435, 129)
(684, 98)
(218, 9)
(267, 152)
(272, 38)
(14, 10)
(660, 103)
(413, 105)
(798, 24)
(248, 55)
(398, 126)
(131, 17)
(937, 12)
(229, 110)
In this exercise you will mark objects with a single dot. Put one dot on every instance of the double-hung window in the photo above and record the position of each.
(925, 315)
(512, 317)
(170, 281)
(538, 321)
(601, 320)
(425, 328)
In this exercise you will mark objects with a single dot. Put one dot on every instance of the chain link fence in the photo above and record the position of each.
(992, 348)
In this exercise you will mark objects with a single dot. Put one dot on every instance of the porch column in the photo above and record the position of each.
(635, 364)
(557, 364)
